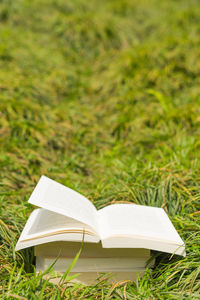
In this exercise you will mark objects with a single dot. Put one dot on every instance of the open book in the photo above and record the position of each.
(64, 214)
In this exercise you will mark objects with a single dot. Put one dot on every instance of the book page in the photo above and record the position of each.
(58, 198)
(137, 221)
(44, 226)
(47, 222)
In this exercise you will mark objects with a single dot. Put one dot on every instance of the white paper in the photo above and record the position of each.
(136, 223)
(47, 221)
(58, 198)
(44, 226)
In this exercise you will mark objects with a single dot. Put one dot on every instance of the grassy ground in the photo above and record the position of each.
(102, 96)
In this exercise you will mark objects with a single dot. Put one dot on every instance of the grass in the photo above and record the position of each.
(102, 96)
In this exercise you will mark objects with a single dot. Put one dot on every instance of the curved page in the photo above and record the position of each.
(58, 198)
(44, 226)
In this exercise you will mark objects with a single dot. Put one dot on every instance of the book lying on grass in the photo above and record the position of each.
(65, 214)
(124, 264)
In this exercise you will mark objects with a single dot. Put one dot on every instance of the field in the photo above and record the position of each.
(104, 97)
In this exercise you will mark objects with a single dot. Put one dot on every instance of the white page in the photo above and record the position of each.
(47, 221)
(137, 221)
(58, 198)
(44, 226)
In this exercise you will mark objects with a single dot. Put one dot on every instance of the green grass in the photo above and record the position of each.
(104, 97)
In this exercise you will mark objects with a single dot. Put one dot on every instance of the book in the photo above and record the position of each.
(93, 257)
(117, 238)
(65, 214)
(121, 264)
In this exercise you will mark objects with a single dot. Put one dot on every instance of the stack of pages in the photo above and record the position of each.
(122, 264)
(117, 238)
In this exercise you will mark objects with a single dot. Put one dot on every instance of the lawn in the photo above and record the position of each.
(104, 97)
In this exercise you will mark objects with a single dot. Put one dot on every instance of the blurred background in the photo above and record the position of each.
(102, 96)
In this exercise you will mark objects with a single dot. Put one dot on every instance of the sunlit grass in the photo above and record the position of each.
(102, 96)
